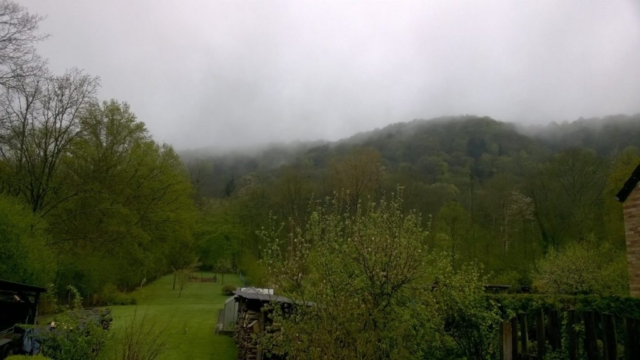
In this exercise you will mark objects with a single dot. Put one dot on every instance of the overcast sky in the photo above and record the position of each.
(231, 73)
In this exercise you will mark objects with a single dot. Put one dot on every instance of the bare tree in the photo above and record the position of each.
(18, 58)
(358, 172)
(40, 120)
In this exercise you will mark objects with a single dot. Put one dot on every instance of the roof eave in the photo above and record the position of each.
(629, 185)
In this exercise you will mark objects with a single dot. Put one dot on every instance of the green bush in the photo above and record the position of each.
(227, 290)
(26, 357)
(74, 337)
(110, 295)
(582, 268)
(466, 319)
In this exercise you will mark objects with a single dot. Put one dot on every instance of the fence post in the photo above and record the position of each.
(610, 339)
(524, 333)
(573, 337)
(540, 334)
(514, 338)
(632, 342)
(506, 353)
(554, 330)
(590, 338)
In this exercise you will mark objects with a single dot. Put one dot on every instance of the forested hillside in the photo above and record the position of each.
(489, 191)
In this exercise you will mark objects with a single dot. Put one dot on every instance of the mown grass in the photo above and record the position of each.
(188, 321)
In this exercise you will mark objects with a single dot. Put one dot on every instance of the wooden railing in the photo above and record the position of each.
(571, 334)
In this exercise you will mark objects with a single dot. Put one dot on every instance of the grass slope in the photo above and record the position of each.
(190, 319)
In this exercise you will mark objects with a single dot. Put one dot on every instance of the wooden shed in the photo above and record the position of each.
(253, 320)
(18, 305)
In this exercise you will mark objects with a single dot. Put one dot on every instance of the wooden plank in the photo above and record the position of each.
(554, 330)
(590, 338)
(514, 338)
(632, 344)
(4, 342)
(524, 336)
(609, 339)
(540, 336)
(627, 348)
(572, 321)
(505, 335)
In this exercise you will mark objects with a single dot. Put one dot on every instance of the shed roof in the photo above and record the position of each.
(251, 295)
(14, 286)
(629, 185)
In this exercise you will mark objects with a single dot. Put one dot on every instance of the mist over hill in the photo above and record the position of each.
(478, 145)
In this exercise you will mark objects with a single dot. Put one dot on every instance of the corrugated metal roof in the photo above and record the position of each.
(13, 286)
(250, 295)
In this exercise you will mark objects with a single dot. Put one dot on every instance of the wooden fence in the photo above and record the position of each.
(572, 334)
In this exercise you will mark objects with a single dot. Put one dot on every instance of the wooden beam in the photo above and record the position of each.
(572, 321)
(610, 340)
(524, 336)
(540, 336)
(506, 351)
(514, 338)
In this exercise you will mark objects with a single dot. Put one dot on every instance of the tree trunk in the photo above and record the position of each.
(174, 279)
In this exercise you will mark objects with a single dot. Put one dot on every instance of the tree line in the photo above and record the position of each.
(87, 197)
(488, 191)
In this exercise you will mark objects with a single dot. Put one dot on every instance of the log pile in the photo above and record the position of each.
(249, 326)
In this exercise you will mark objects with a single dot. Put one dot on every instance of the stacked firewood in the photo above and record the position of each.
(247, 329)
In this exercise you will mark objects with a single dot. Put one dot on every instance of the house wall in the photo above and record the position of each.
(631, 208)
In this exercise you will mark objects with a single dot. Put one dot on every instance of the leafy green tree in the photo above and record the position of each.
(567, 194)
(24, 255)
(365, 287)
(362, 268)
(292, 193)
(451, 226)
(224, 266)
(461, 312)
(133, 214)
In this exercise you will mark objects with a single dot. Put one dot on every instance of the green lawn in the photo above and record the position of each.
(190, 319)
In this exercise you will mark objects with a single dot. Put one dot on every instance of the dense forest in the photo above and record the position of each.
(491, 191)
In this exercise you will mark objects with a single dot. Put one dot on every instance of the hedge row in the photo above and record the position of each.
(511, 304)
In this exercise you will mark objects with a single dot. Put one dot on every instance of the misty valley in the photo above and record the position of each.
(425, 237)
